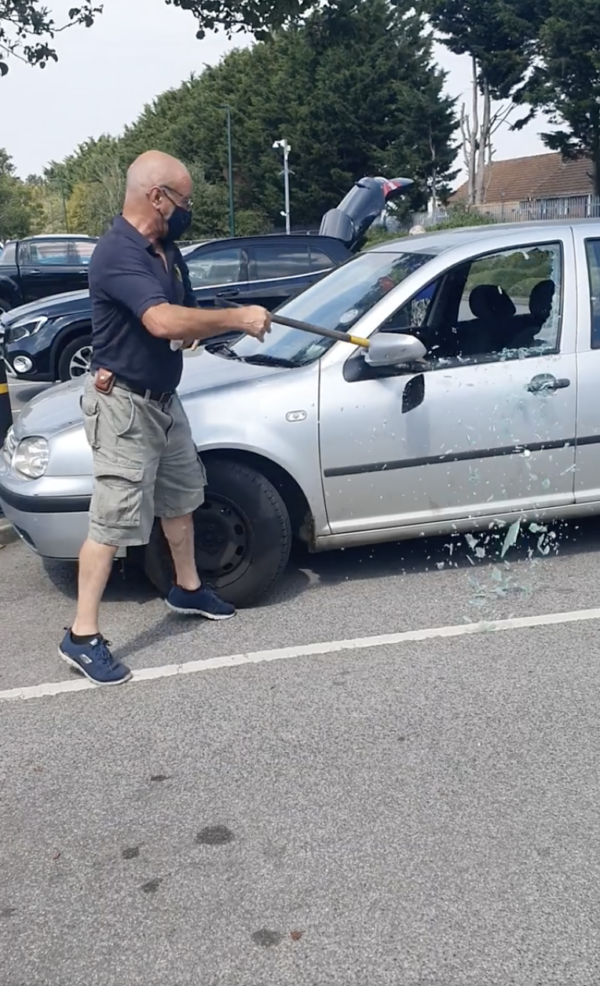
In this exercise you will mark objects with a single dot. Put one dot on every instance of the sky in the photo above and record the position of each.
(136, 50)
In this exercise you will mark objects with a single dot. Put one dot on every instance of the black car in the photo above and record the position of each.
(39, 266)
(51, 340)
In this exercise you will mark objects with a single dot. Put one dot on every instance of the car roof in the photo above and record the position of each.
(441, 240)
(59, 236)
(257, 237)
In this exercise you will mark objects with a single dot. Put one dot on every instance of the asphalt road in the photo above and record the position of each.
(385, 811)
(416, 813)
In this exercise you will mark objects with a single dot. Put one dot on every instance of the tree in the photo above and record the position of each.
(18, 211)
(566, 80)
(499, 37)
(28, 29)
(353, 88)
(258, 16)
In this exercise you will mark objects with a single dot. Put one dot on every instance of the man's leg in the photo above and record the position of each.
(95, 564)
(179, 532)
(84, 648)
(179, 492)
(121, 514)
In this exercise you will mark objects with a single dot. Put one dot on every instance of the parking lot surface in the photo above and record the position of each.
(341, 786)
(418, 813)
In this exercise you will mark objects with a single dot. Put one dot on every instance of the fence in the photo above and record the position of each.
(529, 210)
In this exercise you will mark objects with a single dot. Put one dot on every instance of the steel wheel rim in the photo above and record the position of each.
(222, 539)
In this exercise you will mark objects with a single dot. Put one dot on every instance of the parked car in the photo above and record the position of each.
(38, 266)
(52, 340)
(479, 410)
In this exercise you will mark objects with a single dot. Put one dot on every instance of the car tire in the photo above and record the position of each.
(76, 353)
(243, 536)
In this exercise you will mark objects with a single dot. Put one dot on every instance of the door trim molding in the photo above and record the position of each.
(432, 460)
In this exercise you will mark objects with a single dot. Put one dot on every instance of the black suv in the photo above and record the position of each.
(51, 340)
(39, 266)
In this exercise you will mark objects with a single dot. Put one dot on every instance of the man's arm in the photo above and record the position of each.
(175, 322)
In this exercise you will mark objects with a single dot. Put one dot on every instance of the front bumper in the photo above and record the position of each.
(37, 373)
(49, 515)
(51, 535)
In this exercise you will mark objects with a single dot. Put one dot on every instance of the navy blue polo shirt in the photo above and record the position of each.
(126, 278)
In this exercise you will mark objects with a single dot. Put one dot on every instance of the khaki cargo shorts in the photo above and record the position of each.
(145, 464)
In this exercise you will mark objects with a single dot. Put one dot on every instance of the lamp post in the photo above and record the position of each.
(227, 108)
(284, 145)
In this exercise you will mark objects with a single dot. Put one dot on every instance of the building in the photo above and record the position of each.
(542, 186)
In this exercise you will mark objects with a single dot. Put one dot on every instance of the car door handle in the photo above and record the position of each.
(233, 293)
(545, 381)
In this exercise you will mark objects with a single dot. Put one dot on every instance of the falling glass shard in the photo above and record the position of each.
(511, 537)
(537, 528)
(542, 546)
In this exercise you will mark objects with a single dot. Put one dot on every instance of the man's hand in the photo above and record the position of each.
(254, 320)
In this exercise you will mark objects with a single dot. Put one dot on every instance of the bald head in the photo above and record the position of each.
(153, 169)
(157, 184)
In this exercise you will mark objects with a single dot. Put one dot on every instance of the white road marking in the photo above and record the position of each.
(306, 650)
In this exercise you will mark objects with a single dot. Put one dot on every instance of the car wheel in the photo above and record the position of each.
(75, 359)
(242, 536)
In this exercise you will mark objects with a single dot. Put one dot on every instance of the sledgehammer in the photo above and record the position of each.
(293, 323)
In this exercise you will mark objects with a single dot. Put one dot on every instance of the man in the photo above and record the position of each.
(145, 460)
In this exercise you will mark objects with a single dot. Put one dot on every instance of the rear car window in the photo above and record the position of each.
(274, 260)
(9, 255)
(592, 249)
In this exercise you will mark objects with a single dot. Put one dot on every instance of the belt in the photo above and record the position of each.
(159, 397)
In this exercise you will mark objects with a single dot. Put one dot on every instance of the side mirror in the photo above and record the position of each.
(393, 349)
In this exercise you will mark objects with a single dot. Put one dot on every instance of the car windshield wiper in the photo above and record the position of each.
(260, 359)
(222, 349)
(264, 360)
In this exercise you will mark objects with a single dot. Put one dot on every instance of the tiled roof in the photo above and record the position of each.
(541, 176)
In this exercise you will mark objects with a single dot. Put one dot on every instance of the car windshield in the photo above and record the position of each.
(335, 302)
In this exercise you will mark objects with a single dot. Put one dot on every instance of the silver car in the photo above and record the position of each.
(479, 405)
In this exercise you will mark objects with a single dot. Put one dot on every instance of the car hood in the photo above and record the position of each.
(57, 409)
(69, 303)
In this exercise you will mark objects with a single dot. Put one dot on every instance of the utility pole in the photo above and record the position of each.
(227, 109)
(286, 179)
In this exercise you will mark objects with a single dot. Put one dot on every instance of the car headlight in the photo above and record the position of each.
(31, 457)
(23, 328)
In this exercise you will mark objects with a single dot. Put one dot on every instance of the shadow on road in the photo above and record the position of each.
(306, 571)
(404, 558)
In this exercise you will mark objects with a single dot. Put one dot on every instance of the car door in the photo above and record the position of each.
(49, 266)
(587, 473)
(277, 269)
(486, 426)
(219, 271)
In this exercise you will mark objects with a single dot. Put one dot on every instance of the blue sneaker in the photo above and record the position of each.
(203, 602)
(94, 660)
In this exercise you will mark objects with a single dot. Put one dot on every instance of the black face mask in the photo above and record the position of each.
(178, 223)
